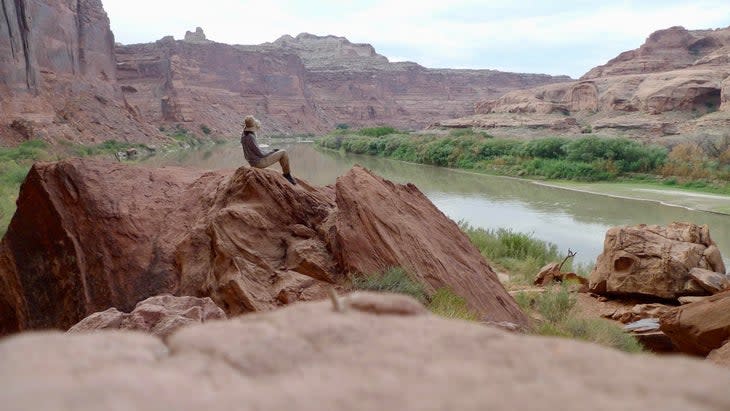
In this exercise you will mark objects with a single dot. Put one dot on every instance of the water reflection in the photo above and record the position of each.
(570, 219)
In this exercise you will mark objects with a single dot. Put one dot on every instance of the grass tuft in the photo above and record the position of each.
(393, 280)
(520, 254)
(446, 303)
(554, 308)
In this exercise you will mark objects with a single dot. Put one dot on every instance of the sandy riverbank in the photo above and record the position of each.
(692, 200)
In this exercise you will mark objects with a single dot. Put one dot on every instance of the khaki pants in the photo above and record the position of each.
(278, 156)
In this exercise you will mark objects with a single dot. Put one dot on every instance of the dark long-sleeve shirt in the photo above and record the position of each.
(251, 150)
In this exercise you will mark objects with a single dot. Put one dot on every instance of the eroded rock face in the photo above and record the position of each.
(700, 327)
(379, 224)
(160, 316)
(319, 359)
(652, 260)
(665, 50)
(299, 84)
(89, 235)
(58, 73)
(665, 87)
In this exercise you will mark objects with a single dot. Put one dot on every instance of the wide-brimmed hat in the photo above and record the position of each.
(251, 124)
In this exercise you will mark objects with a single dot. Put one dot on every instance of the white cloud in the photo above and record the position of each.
(457, 33)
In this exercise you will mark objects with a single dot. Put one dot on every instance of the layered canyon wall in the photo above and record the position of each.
(63, 78)
(677, 82)
(298, 84)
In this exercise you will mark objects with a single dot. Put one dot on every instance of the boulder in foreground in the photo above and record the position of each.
(319, 359)
(90, 234)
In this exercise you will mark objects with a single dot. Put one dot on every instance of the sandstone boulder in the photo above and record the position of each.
(379, 224)
(711, 281)
(721, 356)
(551, 273)
(691, 299)
(317, 359)
(89, 235)
(700, 327)
(652, 260)
(638, 312)
(160, 316)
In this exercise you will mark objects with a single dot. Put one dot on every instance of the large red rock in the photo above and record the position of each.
(160, 316)
(700, 327)
(369, 357)
(89, 235)
(379, 224)
(653, 260)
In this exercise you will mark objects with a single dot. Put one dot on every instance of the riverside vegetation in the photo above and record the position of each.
(15, 162)
(553, 310)
(701, 165)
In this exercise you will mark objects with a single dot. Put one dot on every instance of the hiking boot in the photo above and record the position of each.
(290, 178)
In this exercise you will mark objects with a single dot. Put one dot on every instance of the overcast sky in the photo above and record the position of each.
(566, 37)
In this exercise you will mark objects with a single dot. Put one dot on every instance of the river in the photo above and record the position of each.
(570, 219)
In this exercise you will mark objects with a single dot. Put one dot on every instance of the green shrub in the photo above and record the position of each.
(555, 307)
(27, 150)
(585, 159)
(519, 253)
(551, 147)
(449, 305)
(628, 155)
(377, 131)
(205, 129)
(493, 148)
(342, 126)
(554, 304)
(439, 152)
(393, 280)
(566, 169)
(600, 331)
(12, 173)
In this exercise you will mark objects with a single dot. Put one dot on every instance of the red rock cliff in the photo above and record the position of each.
(58, 72)
(62, 78)
(675, 83)
(303, 84)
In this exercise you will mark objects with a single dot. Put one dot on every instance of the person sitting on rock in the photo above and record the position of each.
(253, 153)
